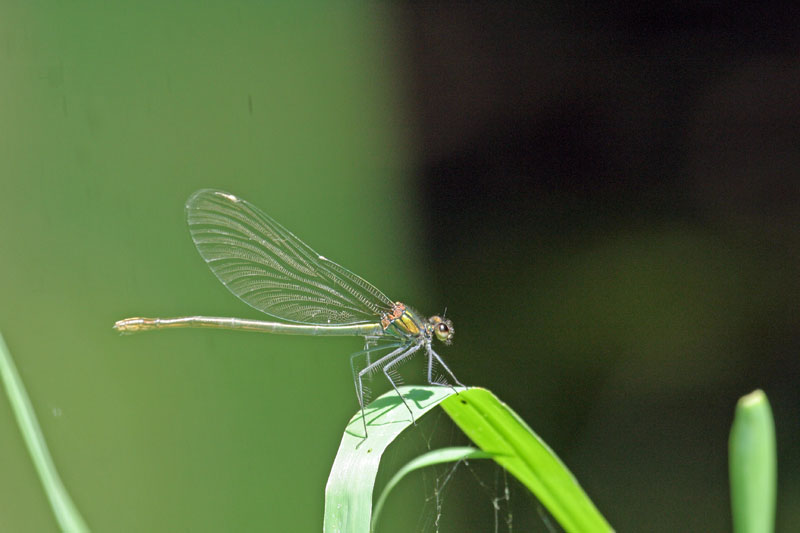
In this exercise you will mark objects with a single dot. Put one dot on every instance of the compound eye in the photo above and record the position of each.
(442, 332)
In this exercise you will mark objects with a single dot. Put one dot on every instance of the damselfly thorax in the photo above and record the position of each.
(403, 322)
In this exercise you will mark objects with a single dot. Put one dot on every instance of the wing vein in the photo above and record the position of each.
(270, 269)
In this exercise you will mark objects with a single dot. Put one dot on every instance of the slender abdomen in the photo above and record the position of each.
(137, 324)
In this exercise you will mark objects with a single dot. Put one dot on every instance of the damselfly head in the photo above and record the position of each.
(442, 328)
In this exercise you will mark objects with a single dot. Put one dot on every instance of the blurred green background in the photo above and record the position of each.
(606, 202)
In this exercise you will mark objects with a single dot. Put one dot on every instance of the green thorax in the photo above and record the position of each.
(403, 322)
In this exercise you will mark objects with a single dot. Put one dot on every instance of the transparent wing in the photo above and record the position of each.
(269, 268)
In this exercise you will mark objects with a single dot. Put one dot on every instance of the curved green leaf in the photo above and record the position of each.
(497, 429)
(348, 494)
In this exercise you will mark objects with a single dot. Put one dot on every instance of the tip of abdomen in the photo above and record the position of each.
(132, 325)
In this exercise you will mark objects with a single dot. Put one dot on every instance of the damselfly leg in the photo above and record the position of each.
(397, 355)
(433, 355)
(371, 346)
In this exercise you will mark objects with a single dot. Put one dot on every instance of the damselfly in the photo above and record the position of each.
(270, 269)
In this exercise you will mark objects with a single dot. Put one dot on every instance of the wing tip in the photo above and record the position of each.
(196, 197)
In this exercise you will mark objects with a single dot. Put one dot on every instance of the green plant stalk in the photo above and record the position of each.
(753, 465)
(67, 515)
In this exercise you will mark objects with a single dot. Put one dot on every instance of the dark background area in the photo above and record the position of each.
(611, 195)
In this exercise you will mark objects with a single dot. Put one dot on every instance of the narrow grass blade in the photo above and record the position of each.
(753, 465)
(67, 515)
(495, 428)
(348, 494)
(433, 457)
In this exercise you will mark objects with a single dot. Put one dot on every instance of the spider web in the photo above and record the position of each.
(466, 496)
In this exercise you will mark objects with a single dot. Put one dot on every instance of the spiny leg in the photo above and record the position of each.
(405, 355)
(369, 368)
(431, 356)
(370, 341)
(370, 346)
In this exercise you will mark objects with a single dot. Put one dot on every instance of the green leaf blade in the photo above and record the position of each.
(66, 512)
(497, 429)
(753, 465)
(348, 494)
